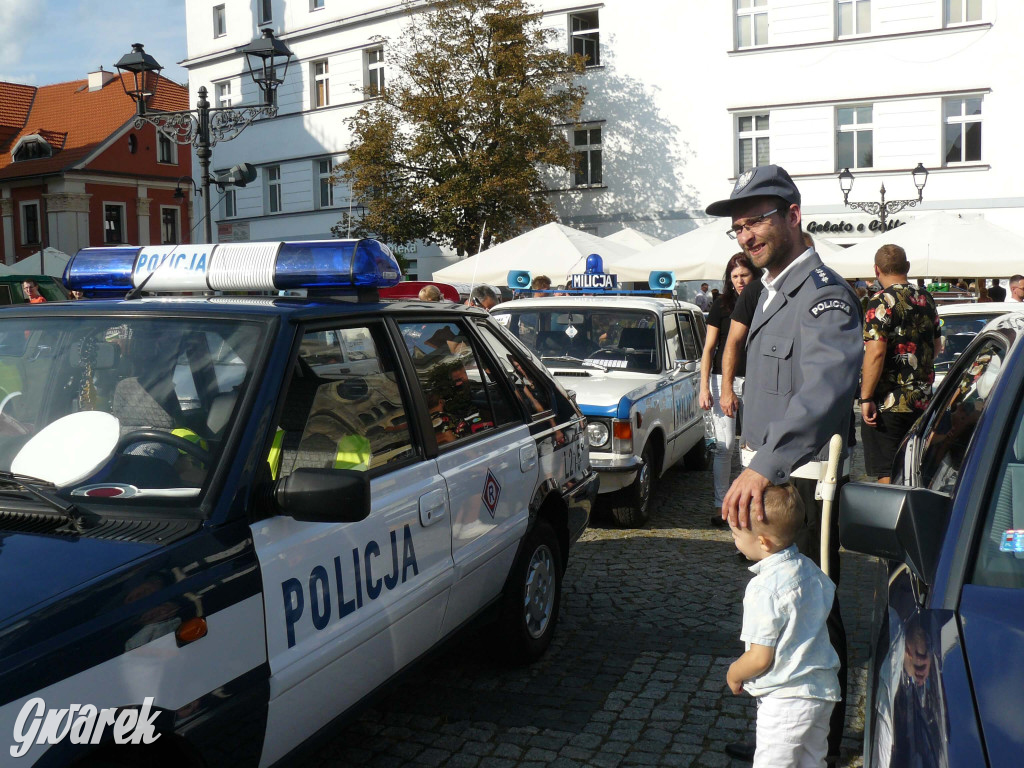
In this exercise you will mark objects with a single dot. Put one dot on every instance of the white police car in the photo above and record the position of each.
(226, 520)
(633, 363)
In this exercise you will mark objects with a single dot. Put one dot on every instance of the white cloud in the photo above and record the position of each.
(18, 21)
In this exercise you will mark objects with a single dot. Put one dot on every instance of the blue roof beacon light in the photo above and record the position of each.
(594, 279)
(319, 266)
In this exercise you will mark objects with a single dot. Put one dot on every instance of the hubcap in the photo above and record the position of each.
(644, 485)
(539, 595)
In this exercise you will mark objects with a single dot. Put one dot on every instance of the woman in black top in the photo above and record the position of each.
(739, 273)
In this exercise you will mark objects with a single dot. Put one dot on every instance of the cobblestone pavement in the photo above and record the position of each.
(650, 621)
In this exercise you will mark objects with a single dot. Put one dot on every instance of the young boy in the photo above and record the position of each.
(789, 665)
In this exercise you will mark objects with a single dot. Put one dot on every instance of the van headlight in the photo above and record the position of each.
(597, 433)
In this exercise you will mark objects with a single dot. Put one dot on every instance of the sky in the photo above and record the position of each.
(53, 41)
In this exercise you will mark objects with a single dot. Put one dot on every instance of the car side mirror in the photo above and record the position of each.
(324, 495)
(895, 522)
(688, 366)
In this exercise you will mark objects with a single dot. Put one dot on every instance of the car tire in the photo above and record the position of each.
(533, 596)
(631, 506)
(699, 457)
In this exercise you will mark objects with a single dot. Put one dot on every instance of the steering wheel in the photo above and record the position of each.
(156, 436)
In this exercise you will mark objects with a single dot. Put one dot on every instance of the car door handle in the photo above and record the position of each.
(527, 457)
(432, 507)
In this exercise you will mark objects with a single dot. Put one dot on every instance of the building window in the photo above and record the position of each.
(113, 222)
(751, 23)
(31, 147)
(230, 203)
(29, 223)
(316, 5)
(854, 138)
(962, 130)
(169, 226)
(853, 17)
(586, 36)
(266, 10)
(962, 11)
(752, 142)
(325, 186)
(586, 143)
(223, 93)
(220, 26)
(321, 83)
(273, 188)
(375, 71)
(166, 149)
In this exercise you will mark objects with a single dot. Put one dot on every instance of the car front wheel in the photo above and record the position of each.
(631, 506)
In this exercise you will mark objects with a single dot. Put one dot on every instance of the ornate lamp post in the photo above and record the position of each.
(884, 208)
(202, 127)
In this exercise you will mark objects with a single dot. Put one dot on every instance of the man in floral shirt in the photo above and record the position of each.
(901, 339)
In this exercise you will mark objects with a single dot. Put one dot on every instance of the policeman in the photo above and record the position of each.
(804, 352)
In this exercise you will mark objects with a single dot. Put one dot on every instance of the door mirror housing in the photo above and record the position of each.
(324, 495)
(895, 522)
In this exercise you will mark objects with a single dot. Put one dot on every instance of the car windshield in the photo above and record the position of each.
(124, 410)
(957, 332)
(608, 337)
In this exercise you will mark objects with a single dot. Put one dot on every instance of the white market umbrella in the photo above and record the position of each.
(702, 253)
(53, 262)
(554, 250)
(950, 244)
(634, 238)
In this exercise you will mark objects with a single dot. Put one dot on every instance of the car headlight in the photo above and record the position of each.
(597, 433)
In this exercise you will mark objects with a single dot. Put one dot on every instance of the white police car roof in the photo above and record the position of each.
(650, 303)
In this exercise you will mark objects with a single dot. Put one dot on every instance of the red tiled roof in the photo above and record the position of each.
(77, 119)
(15, 102)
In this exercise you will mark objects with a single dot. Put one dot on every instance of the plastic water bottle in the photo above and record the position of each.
(710, 440)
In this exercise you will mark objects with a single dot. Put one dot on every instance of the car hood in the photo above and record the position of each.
(36, 569)
(605, 393)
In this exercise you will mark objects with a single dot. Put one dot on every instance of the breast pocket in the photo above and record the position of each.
(778, 364)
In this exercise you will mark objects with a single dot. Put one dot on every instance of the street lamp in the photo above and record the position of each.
(204, 126)
(885, 208)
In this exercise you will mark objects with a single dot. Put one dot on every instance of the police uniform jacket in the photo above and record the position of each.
(803, 365)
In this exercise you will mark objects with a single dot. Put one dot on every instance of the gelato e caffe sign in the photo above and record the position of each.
(854, 227)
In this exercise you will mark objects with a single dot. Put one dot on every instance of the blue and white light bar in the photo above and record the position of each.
(319, 266)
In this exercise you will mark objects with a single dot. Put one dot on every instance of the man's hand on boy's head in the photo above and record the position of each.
(745, 497)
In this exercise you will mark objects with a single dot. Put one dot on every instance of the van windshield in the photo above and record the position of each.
(119, 409)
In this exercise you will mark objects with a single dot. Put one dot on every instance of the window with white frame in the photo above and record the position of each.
(316, 5)
(962, 130)
(321, 83)
(853, 17)
(29, 223)
(585, 36)
(166, 149)
(753, 144)
(229, 203)
(374, 71)
(963, 11)
(169, 229)
(220, 25)
(854, 137)
(113, 222)
(272, 182)
(325, 182)
(222, 94)
(586, 143)
(266, 10)
(751, 23)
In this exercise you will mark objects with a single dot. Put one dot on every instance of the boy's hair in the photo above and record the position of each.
(783, 514)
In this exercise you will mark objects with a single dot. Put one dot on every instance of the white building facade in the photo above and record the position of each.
(683, 96)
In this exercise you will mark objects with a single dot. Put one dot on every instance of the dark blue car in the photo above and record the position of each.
(946, 678)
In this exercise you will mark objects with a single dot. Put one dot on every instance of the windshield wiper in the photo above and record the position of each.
(571, 359)
(31, 486)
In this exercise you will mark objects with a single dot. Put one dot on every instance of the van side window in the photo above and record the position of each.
(530, 388)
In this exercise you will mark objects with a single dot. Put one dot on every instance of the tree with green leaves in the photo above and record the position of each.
(453, 149)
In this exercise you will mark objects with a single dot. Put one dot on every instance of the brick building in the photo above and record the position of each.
(75, 172)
